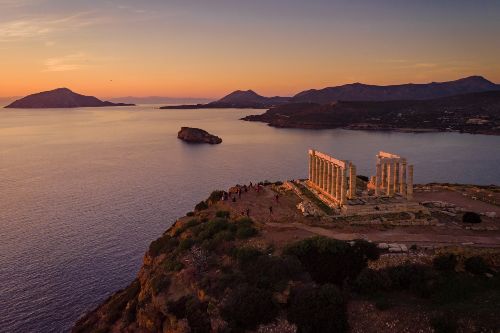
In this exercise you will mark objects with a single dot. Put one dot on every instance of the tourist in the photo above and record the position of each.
(248, 212)
(277, 197)
(270, 210)
(239, 193)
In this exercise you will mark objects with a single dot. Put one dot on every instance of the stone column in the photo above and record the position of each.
(409, 191)
(378, 177)
(325, 175)
(320, 175)
(343, 186)
(329, 178)
(396, 177)
(402, 173)
(390, 179)
(310, 167)
(352, 181)
(333, 189)
(318, 170)
(384, 175)
(338, 183)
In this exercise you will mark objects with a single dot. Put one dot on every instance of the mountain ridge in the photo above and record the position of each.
(408, 91)
(352, 92)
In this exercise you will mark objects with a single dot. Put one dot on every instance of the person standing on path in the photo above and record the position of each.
(270, 210)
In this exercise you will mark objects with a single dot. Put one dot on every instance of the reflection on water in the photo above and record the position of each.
(83, 192)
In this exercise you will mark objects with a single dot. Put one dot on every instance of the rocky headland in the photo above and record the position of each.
(60, 98)
(235, 265)
(477, 113)
(197, 135)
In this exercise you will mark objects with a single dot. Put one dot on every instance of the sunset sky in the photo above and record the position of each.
(207, 48)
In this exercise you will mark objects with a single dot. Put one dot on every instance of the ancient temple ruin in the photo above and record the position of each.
(393, 176)
(335, 182)
(329, 176)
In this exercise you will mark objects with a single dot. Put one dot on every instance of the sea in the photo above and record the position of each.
(84, 191)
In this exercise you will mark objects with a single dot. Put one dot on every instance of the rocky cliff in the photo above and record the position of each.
(217, 270)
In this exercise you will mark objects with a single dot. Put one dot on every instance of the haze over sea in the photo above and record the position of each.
(84, 191)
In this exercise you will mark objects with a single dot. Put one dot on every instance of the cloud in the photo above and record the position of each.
(71, 62)
(36, 27)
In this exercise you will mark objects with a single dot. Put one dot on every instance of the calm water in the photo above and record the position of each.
(83, 192)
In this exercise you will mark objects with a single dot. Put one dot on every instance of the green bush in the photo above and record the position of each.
(245, 255)
(162, 245)
(194, 311)
(186, 244)
(454, 288)
(471, 217)
(245, 228)
(417, 278)
(187, 225)
(172, 265)
(331, 261)
(476, 265)
(445, 262)
(247, 307)
(382, 303)
(444, 324)
(215, 196)
(222, 214)
(370, 281)
(159, 283)
(320, 309)
(209, 229)
(270, 272)
(202, 205)
(246, 232)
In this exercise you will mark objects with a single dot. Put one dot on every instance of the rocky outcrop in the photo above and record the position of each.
(197, 135)
(60, 98)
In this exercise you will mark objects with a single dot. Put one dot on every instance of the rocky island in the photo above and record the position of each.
(197, 135)
(60, 98)
(290, 257)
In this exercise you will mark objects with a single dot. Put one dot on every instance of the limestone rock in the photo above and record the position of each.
(490, 214)
(383, 246)
(197, 135)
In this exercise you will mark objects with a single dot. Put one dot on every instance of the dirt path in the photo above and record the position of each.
(399, 236)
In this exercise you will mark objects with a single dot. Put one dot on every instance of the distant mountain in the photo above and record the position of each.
(60, 98)
(365, 92)
(159, 100)
(470, 113)
(248, 99)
